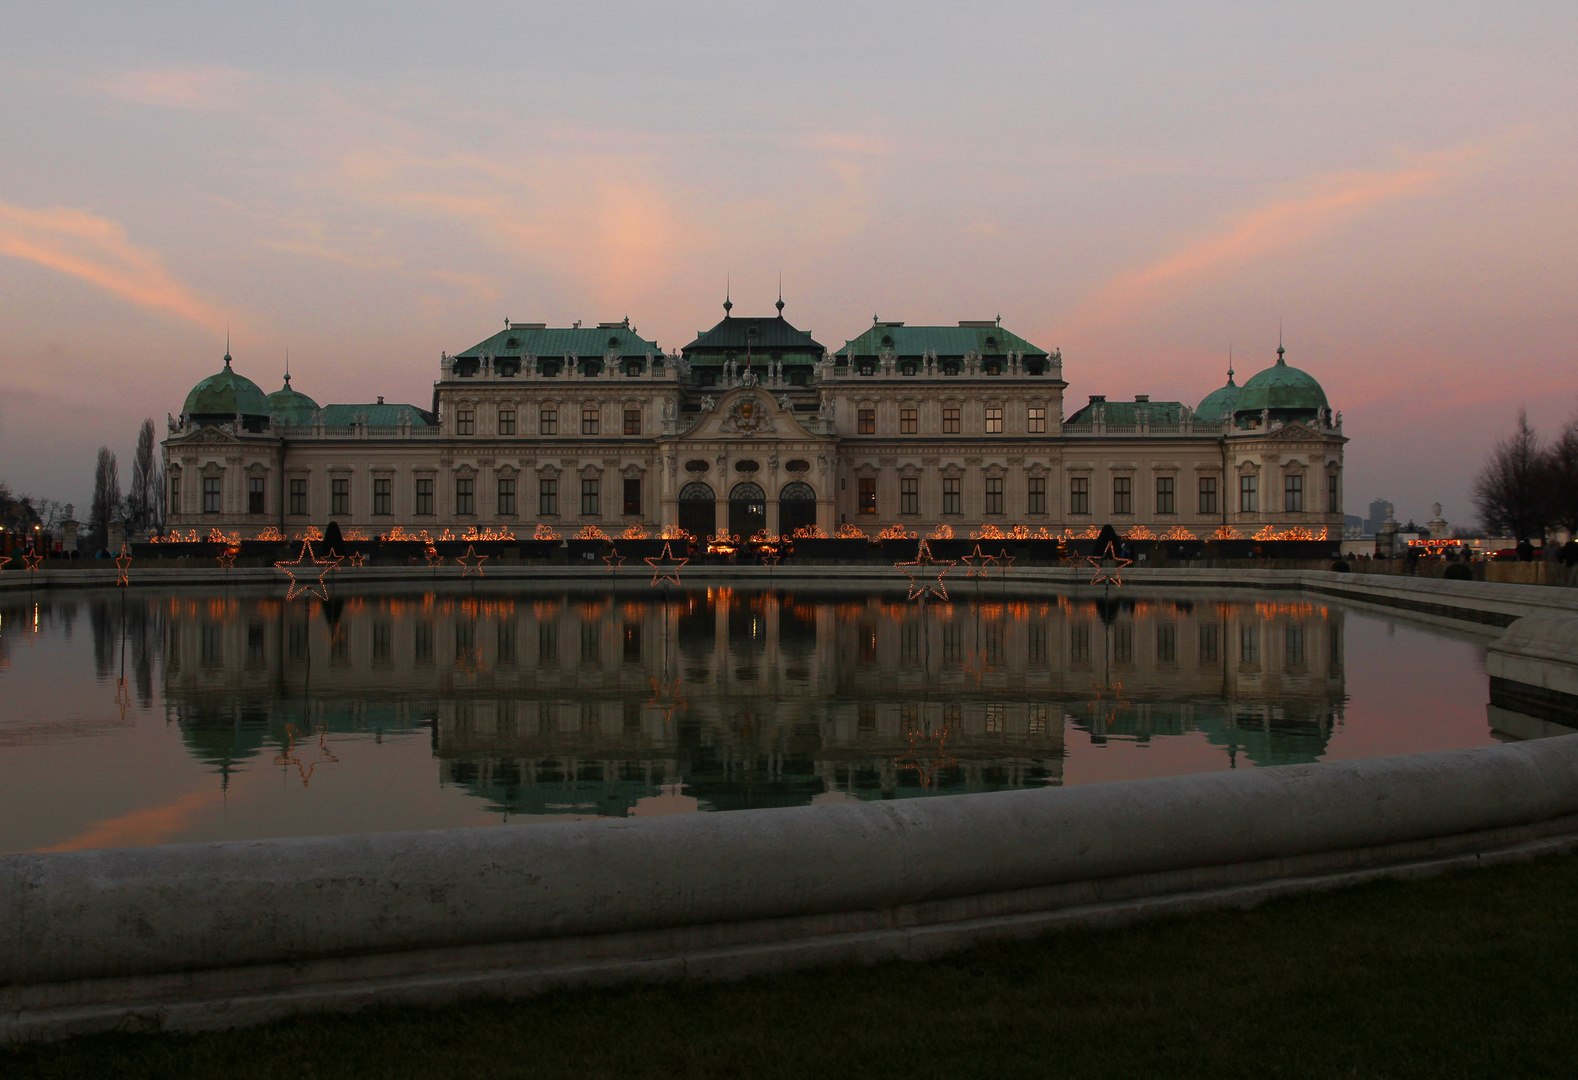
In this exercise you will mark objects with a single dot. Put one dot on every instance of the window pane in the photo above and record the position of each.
(1164, 495)
(868, 495)
(590, 421)
(868, 422)
(950, 495)
(633, 495)
(548, 422)
(1247, 501)
(381, 497)
(547, 497)
(506, 496)
(907, 421)
(254, 495)
(1207, 494)
(1036, 495)
(1079, 495)
(465, 422)
(1037, 419)
(632, 421)
(424, 496)
(950, 420)
(994, 420)
(506, 421)
(589, 500)
(909, 495)
(1123, 495)
(994, 495)
(1293, 494)
(298, 496)
(211, 495)
(339, 496)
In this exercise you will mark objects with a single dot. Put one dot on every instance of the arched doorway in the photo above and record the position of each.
(698, 510)
(796, 507)
(747, 510)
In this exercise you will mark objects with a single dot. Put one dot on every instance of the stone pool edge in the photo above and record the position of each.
(208, 936)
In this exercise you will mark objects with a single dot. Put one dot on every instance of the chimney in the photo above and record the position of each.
(1142, 399)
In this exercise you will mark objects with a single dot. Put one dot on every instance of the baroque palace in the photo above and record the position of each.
(757, 426)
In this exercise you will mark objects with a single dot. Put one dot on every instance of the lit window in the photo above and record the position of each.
(868, 422)
(868, 495)
(907, 422)
(950, 420)
(1036, 420)
(591, 420)
(632, 421)
(994, 420)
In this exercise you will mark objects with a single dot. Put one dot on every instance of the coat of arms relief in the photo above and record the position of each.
(748, 415)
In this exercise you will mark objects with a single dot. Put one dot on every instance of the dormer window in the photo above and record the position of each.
(887, 339)
(991, 342)
(613, 343)
(548, 368)
(512, 343)
(907, 368)
(950, 367)
(867, 368)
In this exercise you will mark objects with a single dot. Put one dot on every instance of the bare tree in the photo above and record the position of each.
(139, 500)
(1563, 470)
(106, 498)
(1512, 492)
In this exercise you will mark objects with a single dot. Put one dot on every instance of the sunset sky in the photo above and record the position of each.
(1142, 185)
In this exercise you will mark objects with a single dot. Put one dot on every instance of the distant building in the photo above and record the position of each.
(1380, 511)
(755, 425)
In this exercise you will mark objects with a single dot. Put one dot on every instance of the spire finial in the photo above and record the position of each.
(1280, 350)
(780, 304)
(227, 344)
(1230, 363)
(728, 305)
(287, 367)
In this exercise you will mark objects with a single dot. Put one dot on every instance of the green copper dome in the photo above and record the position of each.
(223, 395)
(293, 408)
(1220, 403)
(1289, 393)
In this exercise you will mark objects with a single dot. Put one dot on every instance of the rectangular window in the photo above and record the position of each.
(548, 422)
(868, 422)
(506, 496)
(506, 421)
(950, 420)
(632, 421)
(1164, 495)
(909, 495)
(1036, 420)
(1333, 499)
(994, 420)
(633, 495)
(1079, 494)
(298, 495)
(589, 500)
(1123, 495)
(1207, 494)
(950, 495)
(424, 496)
(907, 421)
(465, 421)
(465, 498)
(1036, 495)
(994, 495)
(591, 420)
(1293, 494)
(255, 495)
(340, 496)
(1248, 503)
(211, 495)
(547, 497)
(175, 494)
(868, 495)
(381, 497)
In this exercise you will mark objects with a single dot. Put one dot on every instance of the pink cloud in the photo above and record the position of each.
(95, 249)
(206, 87)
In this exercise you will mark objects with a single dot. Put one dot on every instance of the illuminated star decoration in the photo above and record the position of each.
(1103, 571)
(471, 561)
(667, 698)
(433, 557)
(665, 567)
(31, 559)
(301, 561)
(613, 559)
(123, 563)
(921, 568)
(1105, 713)
(926, 761)
(288, 755)
(770, 556)
(970, 561)
(359, 559)
(1005, 561)
(227, 558)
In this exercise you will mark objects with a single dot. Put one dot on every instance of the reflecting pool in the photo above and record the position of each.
(146, 717)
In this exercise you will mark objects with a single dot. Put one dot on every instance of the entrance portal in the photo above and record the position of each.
(698, 510)
(747, 510)
(796, 507)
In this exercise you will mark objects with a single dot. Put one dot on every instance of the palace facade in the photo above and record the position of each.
(756, 425)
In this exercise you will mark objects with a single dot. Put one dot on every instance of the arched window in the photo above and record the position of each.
(696, 491)
(747, 491)
(799, 490)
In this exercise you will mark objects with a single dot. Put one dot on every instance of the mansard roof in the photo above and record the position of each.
(1128, 412)
(984, 337)
(539, 339)
(759, 335)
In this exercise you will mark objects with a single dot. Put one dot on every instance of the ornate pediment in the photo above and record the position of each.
(748, 412)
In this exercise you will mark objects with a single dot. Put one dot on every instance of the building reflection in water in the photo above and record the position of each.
(604, 703)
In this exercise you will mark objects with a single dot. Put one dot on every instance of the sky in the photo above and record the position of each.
(1145, 186)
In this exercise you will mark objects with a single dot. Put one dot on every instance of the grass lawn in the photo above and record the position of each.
(1473, 975)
